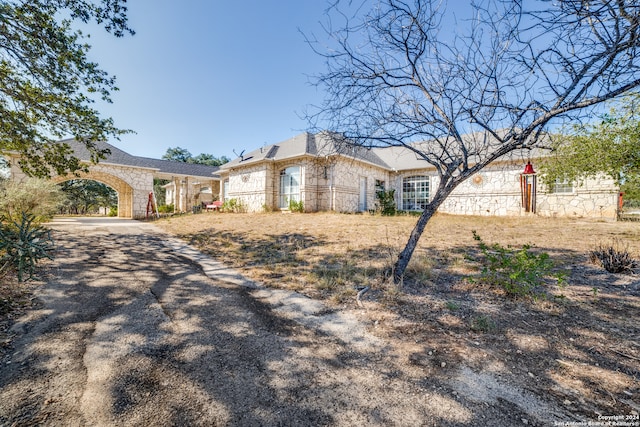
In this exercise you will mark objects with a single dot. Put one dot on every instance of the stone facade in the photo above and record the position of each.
(345, 184)
(324, 185)
(496, 191)
(132, 178)
(131, 184)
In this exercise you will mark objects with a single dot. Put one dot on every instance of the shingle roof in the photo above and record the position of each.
(329, 144)
(317, 145)
(119, 157)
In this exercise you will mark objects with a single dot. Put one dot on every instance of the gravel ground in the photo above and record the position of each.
(135, 328)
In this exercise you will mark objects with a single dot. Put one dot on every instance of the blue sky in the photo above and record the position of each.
(210, 76)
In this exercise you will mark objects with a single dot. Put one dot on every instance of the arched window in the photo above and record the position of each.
(289, 186)
(415, 193)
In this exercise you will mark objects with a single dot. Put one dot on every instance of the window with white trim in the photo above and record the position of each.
(562, 186)
(415, 193)
(225, 189)
(289, 186)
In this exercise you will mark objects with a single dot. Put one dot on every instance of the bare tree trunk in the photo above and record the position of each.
(405, 256)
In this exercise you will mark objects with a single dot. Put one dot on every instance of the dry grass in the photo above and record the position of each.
(581, 351)
(328, 255)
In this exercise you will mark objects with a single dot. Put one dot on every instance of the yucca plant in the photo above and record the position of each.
(23, 244)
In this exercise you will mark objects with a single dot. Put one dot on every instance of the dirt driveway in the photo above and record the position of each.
(135, 328)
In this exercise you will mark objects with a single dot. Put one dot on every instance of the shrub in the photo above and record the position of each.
(519, 272)
(296, 206)
(482, 323)
(165, 208)
(38, 197)
(614, 258)
(386, 202)
(23, 244)
(232, 205)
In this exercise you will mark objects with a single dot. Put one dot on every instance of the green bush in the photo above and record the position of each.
(22, 244)
(519, 272)
(232, 205)
(39, 197)
(386, 202)
(165, 208)
(296, 206)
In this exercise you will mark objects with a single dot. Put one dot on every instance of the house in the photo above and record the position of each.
(325, 176)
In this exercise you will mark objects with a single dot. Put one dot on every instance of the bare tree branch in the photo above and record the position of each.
(463, 89)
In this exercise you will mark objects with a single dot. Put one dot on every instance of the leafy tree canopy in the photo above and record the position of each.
(86, 196)
(47, 82)
(183, 155)
(611, 146)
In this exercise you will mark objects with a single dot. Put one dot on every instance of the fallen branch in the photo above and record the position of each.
(625, 355)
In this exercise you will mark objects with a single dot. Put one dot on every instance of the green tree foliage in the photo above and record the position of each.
(86, 196)
(38, 197)
(177, 154)
(48, 83)
(610, 147)
(183, 155)
(210, 160)
(159, 191)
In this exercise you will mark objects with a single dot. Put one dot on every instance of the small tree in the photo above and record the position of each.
(463, 89)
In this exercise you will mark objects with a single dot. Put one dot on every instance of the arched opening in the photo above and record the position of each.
(88, 197)
(124, 190)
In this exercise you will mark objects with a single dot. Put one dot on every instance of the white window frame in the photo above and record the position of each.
(415, 192)
(562, 186)
(289, 186)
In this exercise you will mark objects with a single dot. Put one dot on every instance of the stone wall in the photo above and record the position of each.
(344, 185)
(131, 184)
(334, 184)
(492, 191)
(249, 185)
(496, 191)
(596, 198)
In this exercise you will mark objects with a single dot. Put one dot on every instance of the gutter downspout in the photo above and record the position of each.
(332, 191)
